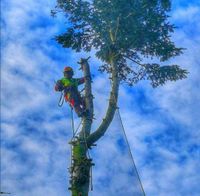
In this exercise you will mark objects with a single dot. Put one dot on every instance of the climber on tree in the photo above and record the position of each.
(69, 85)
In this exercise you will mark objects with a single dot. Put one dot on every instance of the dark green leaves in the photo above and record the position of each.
(74, 40)
(135, 25)
(123, 30)
(159, 75)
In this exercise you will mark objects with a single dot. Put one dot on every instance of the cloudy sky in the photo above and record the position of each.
(162, 124)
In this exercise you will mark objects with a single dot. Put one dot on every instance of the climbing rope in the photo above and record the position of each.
(72, 123)
(74, 132)
(130, 153)
(126, 139)
(73, 135)
(88, 154)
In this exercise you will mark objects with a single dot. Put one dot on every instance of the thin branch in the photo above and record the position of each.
(116, 31)
(143, 65)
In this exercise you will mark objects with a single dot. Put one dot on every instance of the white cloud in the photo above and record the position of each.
(186, 14)
(35, 131)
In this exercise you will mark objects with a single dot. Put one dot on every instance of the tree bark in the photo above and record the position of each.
(112, 106)
(81, 163)
(87, 119)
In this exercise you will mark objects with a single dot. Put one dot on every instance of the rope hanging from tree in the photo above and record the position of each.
(74, 132)
(126, 139)
(129, 150)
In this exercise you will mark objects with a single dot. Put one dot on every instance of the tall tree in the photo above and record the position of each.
(123, 34)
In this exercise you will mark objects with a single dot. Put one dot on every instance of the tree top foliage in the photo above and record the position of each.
(126, 30)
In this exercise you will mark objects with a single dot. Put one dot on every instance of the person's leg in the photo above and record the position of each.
(70, 101)
(78, 110)
(77, 103)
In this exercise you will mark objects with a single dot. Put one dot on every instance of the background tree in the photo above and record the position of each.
(123, 34)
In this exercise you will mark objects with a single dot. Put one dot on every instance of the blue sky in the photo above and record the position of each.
(162, 124)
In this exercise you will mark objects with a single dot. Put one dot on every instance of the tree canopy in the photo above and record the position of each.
(129, 30)
(124, 34)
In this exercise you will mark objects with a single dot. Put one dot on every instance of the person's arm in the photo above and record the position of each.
(59, 86)
(80, 80)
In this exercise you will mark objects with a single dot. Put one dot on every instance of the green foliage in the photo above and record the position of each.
(160, 74)
(122, 30)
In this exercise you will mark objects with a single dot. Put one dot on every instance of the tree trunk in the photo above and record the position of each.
(80, 170)
(81, 163)
(112, 106)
